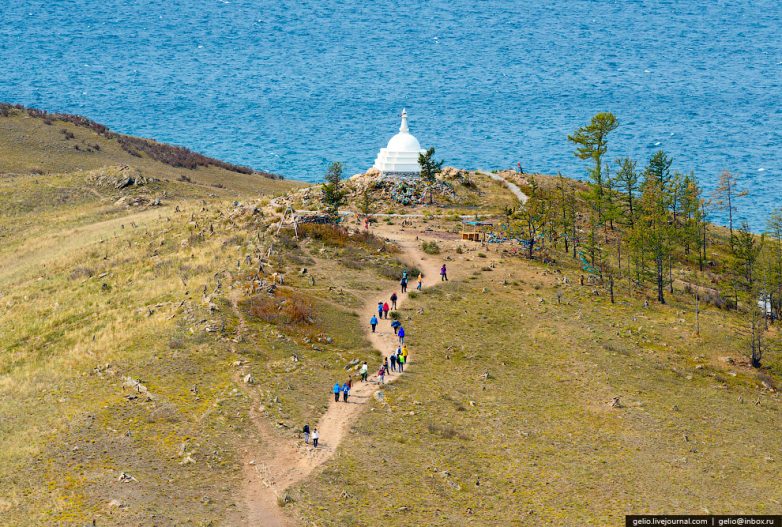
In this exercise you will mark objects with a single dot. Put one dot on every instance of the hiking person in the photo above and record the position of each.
(385, 310)
(315, 437)
(443, 274)
(364, 371)
(403, 284)
(385, 363)
(401, 334)
(336, 391)
(400, 361)
(404, 275)
(393, 362)
(306, 434)
(373, 323)
(393, 300)
(420, 281)
(396, 325)
(345, 392)
(350, 382)
(404, 353)
(380, 374)
(380, 310)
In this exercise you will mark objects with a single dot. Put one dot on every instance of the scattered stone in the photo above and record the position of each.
(249, 379)
(380, 396)
(615, 403)
(126, 478)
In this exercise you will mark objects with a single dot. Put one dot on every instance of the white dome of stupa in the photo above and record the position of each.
(400, 157)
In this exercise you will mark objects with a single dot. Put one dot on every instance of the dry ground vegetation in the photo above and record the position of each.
(533, 400)
(125, 388)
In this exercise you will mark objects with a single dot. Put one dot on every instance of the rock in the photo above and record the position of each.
(380, 396)
(615, 403)
(126, 478)
(188, 460)
(249, 379)
(352, 364)
(115, 504)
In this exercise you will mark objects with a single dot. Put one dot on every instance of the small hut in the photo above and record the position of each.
(475, 231)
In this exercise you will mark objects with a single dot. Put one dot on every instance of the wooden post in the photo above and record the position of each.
(697, 315)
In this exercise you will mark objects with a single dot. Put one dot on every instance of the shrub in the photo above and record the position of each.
(459, 250)
(282, 308)
(430, 247)
(337, 236)
(481, 255)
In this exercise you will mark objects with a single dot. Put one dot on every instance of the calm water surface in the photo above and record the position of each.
(289, 86)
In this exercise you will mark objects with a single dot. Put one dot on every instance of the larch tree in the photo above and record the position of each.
(627, 183)
(774, 229)
(746, 253)
(592, 143)
(654, 231)
(725, 196)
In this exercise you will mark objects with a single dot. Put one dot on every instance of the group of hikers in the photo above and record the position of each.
(395, 362)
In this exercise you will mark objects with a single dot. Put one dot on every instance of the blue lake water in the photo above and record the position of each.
(289, 86)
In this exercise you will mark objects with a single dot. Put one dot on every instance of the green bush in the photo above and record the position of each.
(430, 247)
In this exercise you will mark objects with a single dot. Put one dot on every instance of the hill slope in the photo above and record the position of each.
(160, 338)
(35, 142)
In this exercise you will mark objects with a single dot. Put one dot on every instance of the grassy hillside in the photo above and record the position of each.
(34, 142)
(506, 416)
(143, 348)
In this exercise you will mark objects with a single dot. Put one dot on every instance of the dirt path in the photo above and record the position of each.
(511, 186)
(282, 463)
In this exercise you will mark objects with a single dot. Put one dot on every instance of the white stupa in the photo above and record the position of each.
(400, 157)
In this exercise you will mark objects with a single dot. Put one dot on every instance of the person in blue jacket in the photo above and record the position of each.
(345, 392)
(396, 325)
(401, 335)
(373, 323)
(336, 391)
(380, 310)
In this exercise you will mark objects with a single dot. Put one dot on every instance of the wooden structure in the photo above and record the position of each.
(475, 231)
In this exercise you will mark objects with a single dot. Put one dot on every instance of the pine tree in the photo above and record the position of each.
(429, 170)
(333, 194)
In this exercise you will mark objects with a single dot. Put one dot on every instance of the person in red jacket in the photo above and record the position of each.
(385, 309)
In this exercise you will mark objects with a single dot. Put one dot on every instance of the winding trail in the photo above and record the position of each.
(511, 186)
(283, 463)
